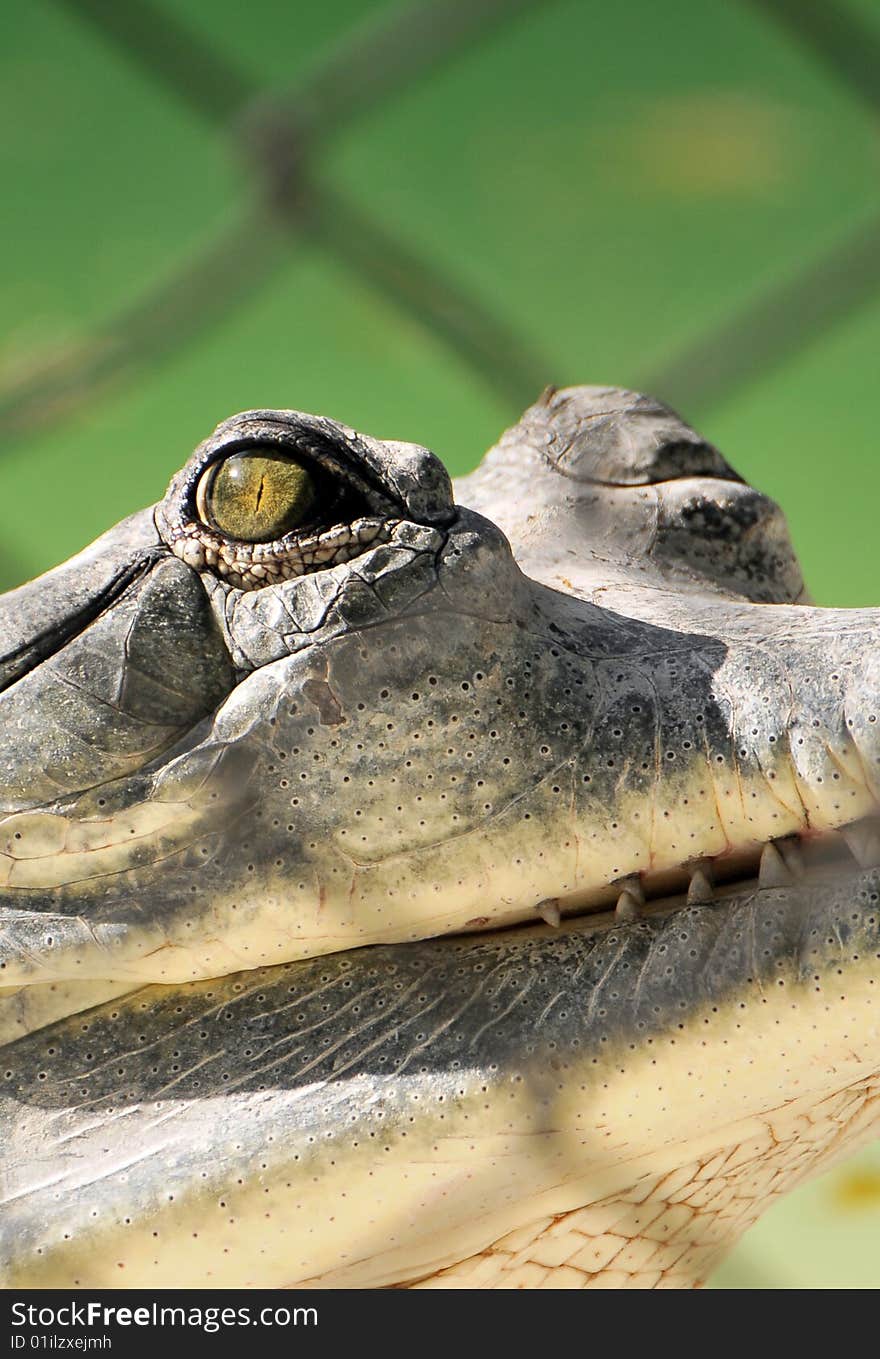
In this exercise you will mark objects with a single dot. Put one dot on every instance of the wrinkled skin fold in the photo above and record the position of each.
(591, 677)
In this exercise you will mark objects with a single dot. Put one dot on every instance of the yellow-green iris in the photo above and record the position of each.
(257, 496)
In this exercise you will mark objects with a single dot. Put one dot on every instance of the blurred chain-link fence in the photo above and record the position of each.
(280, 140)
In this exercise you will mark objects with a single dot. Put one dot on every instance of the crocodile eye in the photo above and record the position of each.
(258, 495)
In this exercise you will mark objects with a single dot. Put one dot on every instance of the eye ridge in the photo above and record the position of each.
(365, 492)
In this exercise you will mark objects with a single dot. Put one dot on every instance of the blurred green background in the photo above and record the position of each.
(682, 196)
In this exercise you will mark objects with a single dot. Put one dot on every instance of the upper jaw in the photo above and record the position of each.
(564, 735)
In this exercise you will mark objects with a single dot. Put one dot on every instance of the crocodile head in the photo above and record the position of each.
(310, 702)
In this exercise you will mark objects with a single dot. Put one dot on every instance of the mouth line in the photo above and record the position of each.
(788, 863)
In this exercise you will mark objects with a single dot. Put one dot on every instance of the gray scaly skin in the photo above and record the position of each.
(224, 766)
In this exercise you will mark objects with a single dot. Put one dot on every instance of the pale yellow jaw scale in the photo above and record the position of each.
(637, 1172)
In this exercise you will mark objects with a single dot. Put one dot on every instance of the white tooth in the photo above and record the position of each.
(550, 912)
(864, 843)
(628, 908)
(633, 885)
(873, 852)
(700, 888)
(773, 871)
(792, 853)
